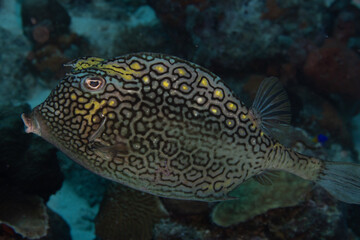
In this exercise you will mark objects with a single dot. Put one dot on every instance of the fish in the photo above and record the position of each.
(320, 138)
(171, 128)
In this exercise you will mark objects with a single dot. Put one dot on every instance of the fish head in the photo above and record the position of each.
(81, 108)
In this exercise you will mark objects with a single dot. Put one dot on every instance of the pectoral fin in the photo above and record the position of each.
(109, 152)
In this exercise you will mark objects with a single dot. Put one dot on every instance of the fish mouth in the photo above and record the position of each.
(31, 122)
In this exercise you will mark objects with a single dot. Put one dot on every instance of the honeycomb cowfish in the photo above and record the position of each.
(169, 127)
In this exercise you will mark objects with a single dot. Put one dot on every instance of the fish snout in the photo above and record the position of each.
(31, 123)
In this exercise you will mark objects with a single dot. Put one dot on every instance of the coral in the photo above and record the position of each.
(133, 32)
(127, 214)
(28, 220)
(27, 164)
(334, 68)
(254, 199)
(14, 76)
(44, 20)
(166, 230)
(25, 214)
(46, 24)
(29, 174)
(232, 34)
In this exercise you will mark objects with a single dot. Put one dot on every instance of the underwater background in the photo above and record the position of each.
(312, 46)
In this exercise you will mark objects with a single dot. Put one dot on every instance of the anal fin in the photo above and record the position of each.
(266, 177)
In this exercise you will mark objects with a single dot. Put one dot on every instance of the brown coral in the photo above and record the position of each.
(25, 214)
(127, 214)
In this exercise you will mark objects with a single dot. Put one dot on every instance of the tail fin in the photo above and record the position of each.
(342, 181)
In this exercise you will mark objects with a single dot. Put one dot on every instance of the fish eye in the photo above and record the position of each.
(94, 82)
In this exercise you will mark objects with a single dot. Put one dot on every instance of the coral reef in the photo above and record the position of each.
(29, 174)
(128, 214)
(28, 164)
(25, 214)
(234, 33)
(127, 31)
(46, 23)
(334, 68)
(13, 50)
(44, 20)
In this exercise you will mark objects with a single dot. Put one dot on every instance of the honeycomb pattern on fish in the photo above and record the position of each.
(160, 124)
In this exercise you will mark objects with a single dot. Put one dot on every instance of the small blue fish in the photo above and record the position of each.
(321, 138)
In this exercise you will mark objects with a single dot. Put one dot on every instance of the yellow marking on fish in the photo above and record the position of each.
(204, 82)
(146, 79)
(126, 73)
(180, 71)
(96, 119)
(80, 112)
(135, 66)
(95, 106)
(160, 69)
(243, 116)
(213, 110)
(112, 102)
(253, 126)
(82, 100)
(104, 111)
(218, 93)
(111, 116)
(184, 87)
(86, 63)
(229, 122)
(231, 106)
(166, 84)
(261, 133)
(73, 96)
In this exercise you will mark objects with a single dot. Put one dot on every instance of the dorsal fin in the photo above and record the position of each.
(271, 107)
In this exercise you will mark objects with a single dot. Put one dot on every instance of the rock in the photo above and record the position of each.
(128, 214)
(334, 68)
(59, 229)
(25, 214)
